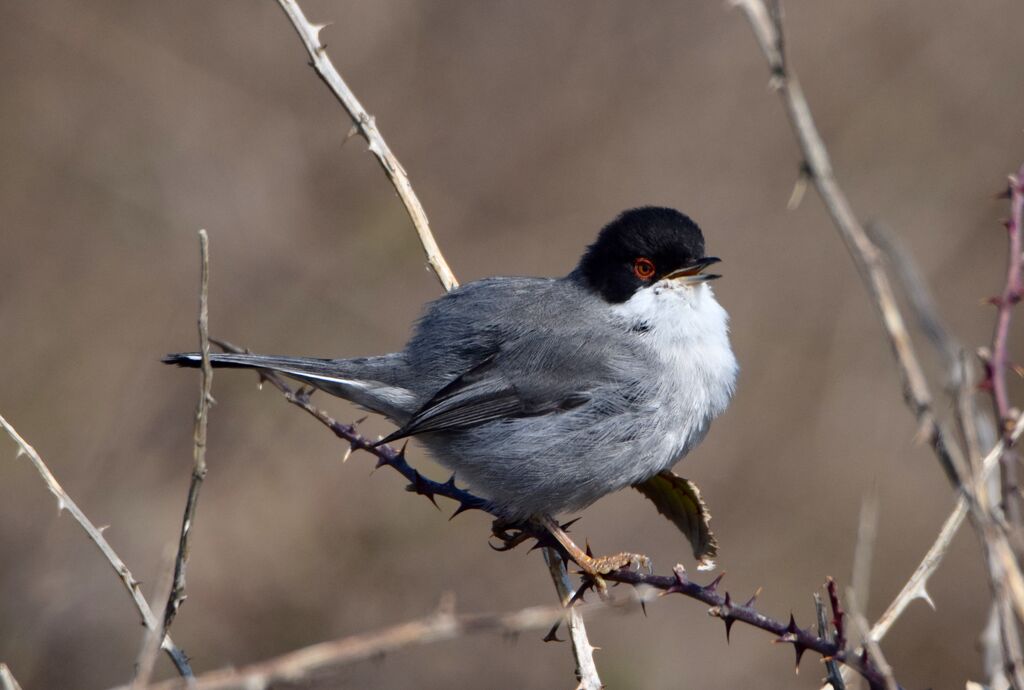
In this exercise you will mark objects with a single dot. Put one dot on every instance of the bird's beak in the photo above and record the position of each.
(693, 274)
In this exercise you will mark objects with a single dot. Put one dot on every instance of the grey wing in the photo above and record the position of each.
(543, 375)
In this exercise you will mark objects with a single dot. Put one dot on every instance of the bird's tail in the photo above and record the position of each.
(371, 382)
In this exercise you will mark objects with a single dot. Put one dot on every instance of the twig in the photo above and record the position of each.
(866, 256)
(151, 640)
(999, 360)
(916, 586)
(582, 650)
(833, 676)
(177, 595)
(443, 624)
(871, 646)
(867, 259)
(7, 681)
(367, 127)
(64, 502)
(729, 611)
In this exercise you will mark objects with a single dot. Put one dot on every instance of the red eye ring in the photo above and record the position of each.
(643, 268)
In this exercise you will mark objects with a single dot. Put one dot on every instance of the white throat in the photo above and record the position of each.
(688, 330)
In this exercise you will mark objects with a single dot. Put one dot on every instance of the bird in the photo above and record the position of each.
(545, 394)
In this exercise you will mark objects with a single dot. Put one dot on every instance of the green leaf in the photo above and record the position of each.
(679, 500)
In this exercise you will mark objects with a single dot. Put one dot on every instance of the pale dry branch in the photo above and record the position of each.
(866, 256)
(582, 650)
(367, 127)
(1003, 571)
(177, 593)
(916, 586)
(855, 613)
(65, 502)
(7, 681)
(150, 648)
(444, 624)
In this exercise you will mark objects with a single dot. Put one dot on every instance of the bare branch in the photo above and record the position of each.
(871, 645)
(64, 502)
(177, 594)
(999, 360)
(582, 650)
(444, 624)
(916, 586)
(7, 681)
(367, 127)
(151, 640)
(866, 256)
(834, 676)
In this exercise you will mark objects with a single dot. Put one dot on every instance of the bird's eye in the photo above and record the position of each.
(643, 268)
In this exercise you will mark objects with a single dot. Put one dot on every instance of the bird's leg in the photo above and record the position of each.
(594, 567)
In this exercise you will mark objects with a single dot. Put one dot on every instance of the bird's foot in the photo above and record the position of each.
(594, 567)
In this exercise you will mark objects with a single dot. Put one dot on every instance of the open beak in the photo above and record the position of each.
(694, 273)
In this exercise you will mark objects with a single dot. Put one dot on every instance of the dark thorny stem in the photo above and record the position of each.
(722, 605)
(999, 359)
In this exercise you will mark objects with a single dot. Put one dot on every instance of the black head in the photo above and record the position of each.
(641, 247)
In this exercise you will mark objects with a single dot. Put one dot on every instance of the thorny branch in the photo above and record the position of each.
(723, 606)
(999, 359)
(64, 502)
(177, 596)
(366, 126)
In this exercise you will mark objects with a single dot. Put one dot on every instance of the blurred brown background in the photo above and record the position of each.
(126, 126)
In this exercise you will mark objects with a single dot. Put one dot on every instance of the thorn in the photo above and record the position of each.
(317, 28)
(713, 585)
(799, 649)
(451, 481)
(799, 188)
(360, 421)
(401, 452)
(923, 594)
(381, 461)
(753, 597)
(643, 607)
(578, 596)
(725, 613)
(353, 131)
(792, 628)
(588, 551)
(463, 507)
(103, 528)
(348, 453)
(567, 525)
(552, 635)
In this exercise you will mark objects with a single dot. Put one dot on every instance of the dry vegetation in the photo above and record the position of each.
(128, 127)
